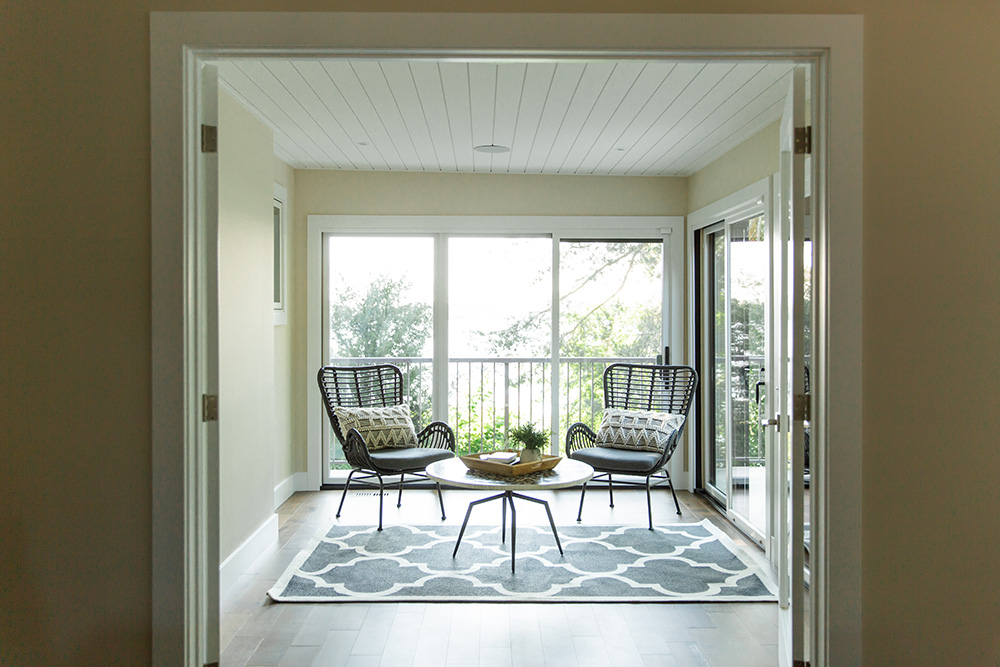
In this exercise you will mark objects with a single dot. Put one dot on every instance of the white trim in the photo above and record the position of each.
(245, 555)
(835, 41)
(298, 481)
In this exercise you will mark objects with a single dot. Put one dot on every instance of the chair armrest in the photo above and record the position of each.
(437, 435)
(579, 436)
(356, 451)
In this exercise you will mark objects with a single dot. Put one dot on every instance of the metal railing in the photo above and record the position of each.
(487, 396)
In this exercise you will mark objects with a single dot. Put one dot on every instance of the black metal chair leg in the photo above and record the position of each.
(440, 499)
(583, 492)
(380, 489)
(399, 500)
(611, 495)
(649, 504)
(344, 494)
(677, 505)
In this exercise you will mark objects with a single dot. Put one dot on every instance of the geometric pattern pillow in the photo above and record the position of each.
(637, 429)
(380, 427)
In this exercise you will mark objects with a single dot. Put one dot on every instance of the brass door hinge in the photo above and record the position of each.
(803, 140)
(801, 406)
(209, 408)
(209, 139)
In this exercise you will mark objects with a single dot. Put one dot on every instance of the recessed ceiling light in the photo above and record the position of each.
(492, 148)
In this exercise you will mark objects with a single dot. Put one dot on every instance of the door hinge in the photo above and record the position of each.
(803, 140)
(209, 408)
(802, 409)
(209, 139)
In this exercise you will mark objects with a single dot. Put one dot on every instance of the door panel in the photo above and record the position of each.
(788, 377)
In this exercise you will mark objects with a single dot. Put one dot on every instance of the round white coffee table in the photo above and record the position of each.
(453, 472)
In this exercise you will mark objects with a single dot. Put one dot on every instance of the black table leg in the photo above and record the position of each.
(513, 530)
(469, 513)
(548, 511)
(508, 497)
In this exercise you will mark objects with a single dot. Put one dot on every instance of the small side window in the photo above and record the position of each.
(280, 251)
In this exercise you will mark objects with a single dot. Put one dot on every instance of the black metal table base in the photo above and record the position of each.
(508, 497)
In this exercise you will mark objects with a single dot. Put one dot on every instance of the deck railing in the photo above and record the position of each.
(490, 395)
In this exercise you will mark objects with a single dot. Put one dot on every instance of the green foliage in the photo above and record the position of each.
(610, 327)
(615, 330)
(378, 324)
(529, 436)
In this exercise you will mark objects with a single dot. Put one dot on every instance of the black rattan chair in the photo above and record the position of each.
(378, 387)
(648, 388)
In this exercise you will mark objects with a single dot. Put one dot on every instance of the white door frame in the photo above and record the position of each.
(180, 40)
(754, 199)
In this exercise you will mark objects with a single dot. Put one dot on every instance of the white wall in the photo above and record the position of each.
(246, 326)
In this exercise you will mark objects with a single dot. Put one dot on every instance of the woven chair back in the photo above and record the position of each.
(359, 387)
(649, 387)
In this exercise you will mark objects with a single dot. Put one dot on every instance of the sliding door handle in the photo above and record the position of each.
(773, 421)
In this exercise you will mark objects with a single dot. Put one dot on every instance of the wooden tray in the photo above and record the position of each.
(473, 462)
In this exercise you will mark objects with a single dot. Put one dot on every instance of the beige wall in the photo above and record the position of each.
(485, 194)
(75, 331)
(247, 428)
(744, 165)
(287, 459)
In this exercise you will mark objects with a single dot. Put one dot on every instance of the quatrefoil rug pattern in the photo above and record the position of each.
(675, 563)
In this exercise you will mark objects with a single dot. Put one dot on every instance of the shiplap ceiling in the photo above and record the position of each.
(598, 117)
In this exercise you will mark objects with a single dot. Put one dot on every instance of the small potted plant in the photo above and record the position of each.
(531, 441)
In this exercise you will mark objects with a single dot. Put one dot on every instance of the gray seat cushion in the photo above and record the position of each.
(408, 458)
(625, 461)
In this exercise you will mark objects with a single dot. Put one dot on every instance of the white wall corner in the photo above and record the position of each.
(298, 481)
(241, 561)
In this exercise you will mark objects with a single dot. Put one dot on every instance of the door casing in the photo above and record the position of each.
(180, 41)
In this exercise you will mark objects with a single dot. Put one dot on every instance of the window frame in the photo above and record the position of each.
(281, 255)
(557, 228)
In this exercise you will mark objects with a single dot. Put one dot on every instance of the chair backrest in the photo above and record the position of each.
(359, 387)
(650, 387)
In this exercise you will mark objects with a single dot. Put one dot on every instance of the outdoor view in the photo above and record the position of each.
(500, 325)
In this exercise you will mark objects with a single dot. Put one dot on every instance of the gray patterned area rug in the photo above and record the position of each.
(677, 563)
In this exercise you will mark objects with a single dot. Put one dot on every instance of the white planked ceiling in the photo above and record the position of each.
(598, 117)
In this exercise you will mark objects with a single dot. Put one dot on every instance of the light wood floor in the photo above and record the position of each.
(256, 631)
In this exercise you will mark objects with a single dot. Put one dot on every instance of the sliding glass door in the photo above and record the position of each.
(735, 283)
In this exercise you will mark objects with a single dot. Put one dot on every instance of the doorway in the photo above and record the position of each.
(174, 320)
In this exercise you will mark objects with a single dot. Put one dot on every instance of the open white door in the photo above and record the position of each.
(790, 404)
(204, 532)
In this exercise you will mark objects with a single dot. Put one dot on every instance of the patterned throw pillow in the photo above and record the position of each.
(637, 429)
(380, 427)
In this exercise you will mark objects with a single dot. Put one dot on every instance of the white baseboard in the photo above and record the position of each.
(298, 481)
(238, 562)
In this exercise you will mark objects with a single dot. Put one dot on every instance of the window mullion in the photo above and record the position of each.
(439, 397)
(554, 351)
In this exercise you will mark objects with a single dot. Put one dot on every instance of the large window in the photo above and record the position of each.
(503, 318)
